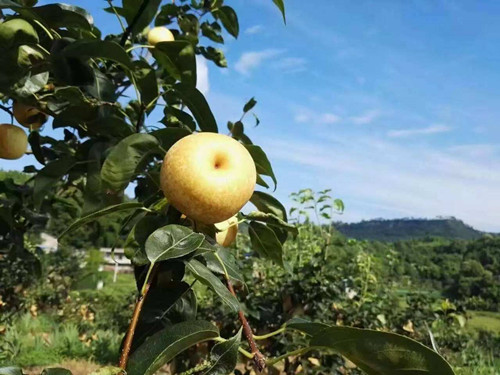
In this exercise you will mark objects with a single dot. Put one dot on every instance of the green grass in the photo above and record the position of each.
(41, 341)
(124, 281)
(484, 320)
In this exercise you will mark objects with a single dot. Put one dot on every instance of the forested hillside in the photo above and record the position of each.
(407, 229)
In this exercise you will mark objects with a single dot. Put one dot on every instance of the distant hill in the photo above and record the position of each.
(405, 229)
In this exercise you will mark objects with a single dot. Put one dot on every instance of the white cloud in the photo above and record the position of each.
(366, 118)
(307, 115)
(291, 64)
(202, 82)
(475, 150)
(251, 60)
(329, 118)
(380, 178)
(433, 129)
(302, 117)
(255, 29)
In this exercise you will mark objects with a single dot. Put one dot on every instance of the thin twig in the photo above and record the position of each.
(135, 318)
(130, 27)
(258, 358)
(117, 15)
(8, 111)
(140, 120)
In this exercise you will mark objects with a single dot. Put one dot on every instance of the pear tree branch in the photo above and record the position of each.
(135, 317)
(258, 358)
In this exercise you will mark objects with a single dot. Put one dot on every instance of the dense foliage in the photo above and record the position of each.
(408, 228)
(345, 282)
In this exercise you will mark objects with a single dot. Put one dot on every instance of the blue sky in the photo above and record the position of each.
(392, 104)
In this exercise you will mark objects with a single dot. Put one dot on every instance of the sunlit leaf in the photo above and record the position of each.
(178, 59)
(249, 105)
(265, 242)
(227, 257)
(229, 19)
(224, 356)
(198, 106)
(205, 276)
(375, 352)
(172, 241)
(281, 6)
(166, 344)
(125, 158)
(261, 162)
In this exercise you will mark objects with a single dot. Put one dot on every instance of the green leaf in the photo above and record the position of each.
(93, 198)
(106, 211)
(205, 276)
(224, 356)
(36, 148)
(214, 54)
(49, 176)
(178, 59)
(339, 205)
(303, 325)
(272, 220)
(172, 303)
(270, 205)
(131, 8)
(125, 158)
(262, 162)
(70, 70)
(206, 247)
(376, 352)
(168, 137)
(31, 84)
(11, 371)
(16, 32)
(229, 19)
(237, 129)
(60, 15)
(249, 105)
(261, 182)
(281, 6)
(136, 240)
(267, 203)
(172, 241)
(257, 121)
(8, 4)
(166, 344)
(147, 85)
(175, 117)
(103, 49)
(198, 106)
(265, 242)
(227, 257)
(212, 31)
(56, 371)
(102, 87)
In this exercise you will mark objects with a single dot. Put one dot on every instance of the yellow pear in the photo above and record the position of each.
(208, 177)
(160, 34)
(227, 231)
(13, 141)
(27, 116)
